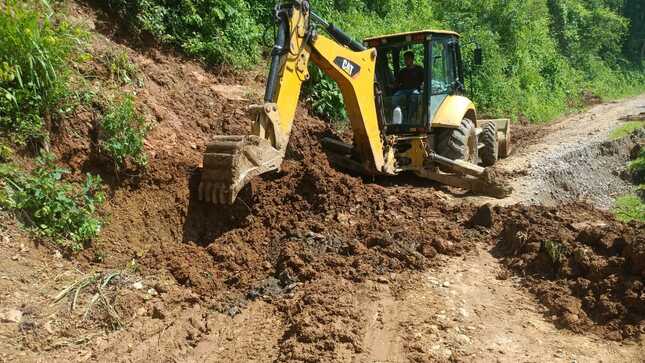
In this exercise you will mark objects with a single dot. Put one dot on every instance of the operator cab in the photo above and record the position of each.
(403, 108)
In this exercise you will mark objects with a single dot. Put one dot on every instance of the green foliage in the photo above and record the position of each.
(123, 130)
(540, 55)
(120, 67)
(637, 168)
(630, 208)
(217, 31)
(634, 10)
(55, 208)
(5, 153)
(554, 250)
(35, 48)
(626, 129)
(324, 96)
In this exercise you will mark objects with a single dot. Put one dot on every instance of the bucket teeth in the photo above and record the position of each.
(230, 162)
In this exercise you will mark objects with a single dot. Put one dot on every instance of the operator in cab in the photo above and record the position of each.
(408, 85)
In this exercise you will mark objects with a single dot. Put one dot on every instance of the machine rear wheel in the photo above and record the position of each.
(459, 143)
(490, 152)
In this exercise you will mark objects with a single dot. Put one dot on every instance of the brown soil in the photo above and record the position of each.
(311, 264)
(582, 264)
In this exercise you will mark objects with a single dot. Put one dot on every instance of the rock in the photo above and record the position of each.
(142, 311)
(152, 292)
(382, 280)
(463, 313)
(446, 284)
(442, 246)
(11, 316)
(427, 250)
(314, 235)
(570, 319)
(253, 294)
(138, 285)
(462, 339)
(234, 310)
(343, 218)
(158, 312)
(484, 216)
(48, 327)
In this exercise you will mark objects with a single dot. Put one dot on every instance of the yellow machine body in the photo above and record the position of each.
(230, 162)
(452, 110)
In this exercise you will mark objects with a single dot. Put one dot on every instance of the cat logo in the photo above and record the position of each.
(349, 67)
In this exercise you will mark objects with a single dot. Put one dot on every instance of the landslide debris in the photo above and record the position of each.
(582, 264)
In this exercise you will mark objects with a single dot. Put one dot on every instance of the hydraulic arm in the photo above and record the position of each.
(230, 162)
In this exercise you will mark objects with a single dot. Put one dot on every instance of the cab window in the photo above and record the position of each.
(443, 70)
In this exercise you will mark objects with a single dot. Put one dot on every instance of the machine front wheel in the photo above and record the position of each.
(490, 151)
(459, 143)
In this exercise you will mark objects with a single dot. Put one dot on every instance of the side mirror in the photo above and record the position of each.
(479, 56)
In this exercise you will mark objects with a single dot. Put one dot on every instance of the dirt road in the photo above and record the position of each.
(574, 160)
(469, 308)
(316, 264)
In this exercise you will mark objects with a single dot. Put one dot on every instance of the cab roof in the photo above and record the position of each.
(407, 36)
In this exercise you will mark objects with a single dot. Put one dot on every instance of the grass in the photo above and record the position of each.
(630, 208)
(97, 282)
(626, 129)
(36, 49)
(554, 250)
(122, 70)
(122, 133)
(6, 153)
(52, 207)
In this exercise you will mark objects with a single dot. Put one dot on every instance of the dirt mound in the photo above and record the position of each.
(305, 220)
(589, 274)
(307, 232)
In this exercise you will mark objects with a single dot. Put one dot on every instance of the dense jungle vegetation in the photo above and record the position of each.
(543, 57)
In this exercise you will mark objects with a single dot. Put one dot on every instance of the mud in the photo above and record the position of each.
(298, 239)
(296, 270)
(587, 268)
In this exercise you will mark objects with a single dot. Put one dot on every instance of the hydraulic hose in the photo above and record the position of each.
(338, 35)
(279, 49)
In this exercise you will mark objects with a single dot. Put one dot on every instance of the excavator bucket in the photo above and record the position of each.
(230, 162)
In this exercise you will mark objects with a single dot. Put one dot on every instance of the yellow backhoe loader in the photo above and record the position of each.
(432, 131)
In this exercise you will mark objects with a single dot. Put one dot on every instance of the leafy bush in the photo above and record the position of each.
(5, 153)
(632, 207)
(34, 52)
(217, 31)
(54, 208)
(541, 56)
(324, 96)
(122, 133)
